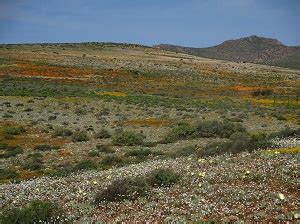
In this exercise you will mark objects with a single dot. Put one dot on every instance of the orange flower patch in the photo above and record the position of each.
(26, 174)
(47, 71)
(30, 138)
(246, 88)
(117, 94)
(64, 153)
(149, 122)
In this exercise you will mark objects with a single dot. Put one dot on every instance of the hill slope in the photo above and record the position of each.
(249, 49)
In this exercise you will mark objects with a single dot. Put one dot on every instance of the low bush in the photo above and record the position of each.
(104, 148)
(204, 129)
(33, 163)
(85, 165)
(185, 151)
(286, 132)
(262, 92)
(221, 129)
(11, 151)
(35, 212)
(128, 138)
(111, 160)
(180, 131)
(62, 132)
(80, 136)
(238, 142)
(124, 189)
(13, 130)
(93, 153)
(214, 149)
(45, 147)
(63, 170)
(6, 115)
(3, 145)
(139, 153)
(163, 177)
(35, 155)
(80, 111)
(102, 134)
(8, 174)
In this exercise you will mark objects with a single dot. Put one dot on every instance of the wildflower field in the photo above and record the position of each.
(100, 132)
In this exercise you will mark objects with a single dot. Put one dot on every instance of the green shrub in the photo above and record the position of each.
(63, 170)
(12, 151)
(222, 129)
(110, 161)
(80, 111)
(125, 189)
(8, 174)
(185, 151)
(6, 115)
(35, 212)
(45, 147)
(33, 163)
(163, 177)
(180, 131)
(85, 165)
(262, 92)
(3, 145)
(139, 153)
(238, 142)
(128, 138)
(62, 132)
(35, 155)
(102, 134)
(204, 129)
(13, 130)
(93, 153)
(104, 148)
(286, 132)
(214, 149)
(80, 136)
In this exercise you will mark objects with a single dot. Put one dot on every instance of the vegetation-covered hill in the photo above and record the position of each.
(249, 49)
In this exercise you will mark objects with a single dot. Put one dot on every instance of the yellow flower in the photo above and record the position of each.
(201, 174)
(95, 182)
(201, 160)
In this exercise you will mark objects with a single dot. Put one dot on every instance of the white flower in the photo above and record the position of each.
(281, 196)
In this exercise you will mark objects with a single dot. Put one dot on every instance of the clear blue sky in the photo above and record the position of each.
(197, 23)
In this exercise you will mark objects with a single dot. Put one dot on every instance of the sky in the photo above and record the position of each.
(195, 23)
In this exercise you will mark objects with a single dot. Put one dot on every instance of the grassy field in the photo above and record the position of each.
(181, 138)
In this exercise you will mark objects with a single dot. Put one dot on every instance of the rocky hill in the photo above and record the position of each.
(248, 49)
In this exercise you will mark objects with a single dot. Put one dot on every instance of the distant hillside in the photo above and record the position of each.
(249, 49)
